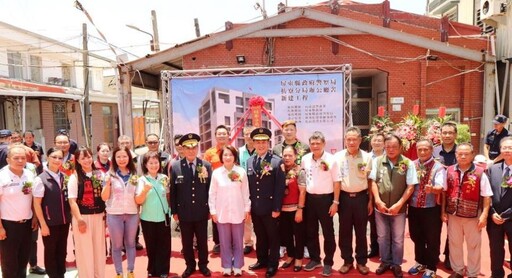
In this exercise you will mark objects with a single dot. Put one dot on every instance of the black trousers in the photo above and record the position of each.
(374, 244)
(292, 234)
(497, 245)
(55, 250)
(317, 210)
(425, 229)
(199, 229)
(215, 233)
(33, 249)
(157, 237)
(266, 229)
(353, 215)
(15, 249)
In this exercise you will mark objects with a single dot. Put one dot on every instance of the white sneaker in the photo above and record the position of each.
(306, 253)
(237, 272)
(226, 272)
(282, 250)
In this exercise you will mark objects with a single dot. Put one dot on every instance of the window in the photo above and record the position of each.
(224, 97)
(108, 124)
(60, 116)
(227, 121)
(240, 110)
(239, 101)
(454, 112)
(35, 69)
(15, 65)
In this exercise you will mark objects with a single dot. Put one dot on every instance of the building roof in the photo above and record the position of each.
(352, 18)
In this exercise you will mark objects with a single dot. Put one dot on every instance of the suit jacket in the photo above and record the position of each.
(189, 194)
(266, 191)
(502, 197)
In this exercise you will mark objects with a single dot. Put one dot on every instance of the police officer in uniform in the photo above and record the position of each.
(266, 186)
(190, 184)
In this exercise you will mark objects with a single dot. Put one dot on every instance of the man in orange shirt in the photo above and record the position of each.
(212, 155)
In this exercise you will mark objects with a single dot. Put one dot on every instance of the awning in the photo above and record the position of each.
(38, 95)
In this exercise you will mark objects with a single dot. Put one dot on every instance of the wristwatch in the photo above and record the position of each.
(300, 207)
(335, 202)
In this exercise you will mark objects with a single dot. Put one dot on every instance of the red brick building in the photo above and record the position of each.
(398, 59)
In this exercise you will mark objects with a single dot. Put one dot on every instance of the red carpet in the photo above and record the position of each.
(178, 264)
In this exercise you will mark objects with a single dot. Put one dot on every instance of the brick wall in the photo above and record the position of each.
(414, 80)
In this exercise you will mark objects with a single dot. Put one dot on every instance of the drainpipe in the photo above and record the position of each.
(505, 83)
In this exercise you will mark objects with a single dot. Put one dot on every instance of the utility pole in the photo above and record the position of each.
(196, 24)
(87, 108)
(156, 41)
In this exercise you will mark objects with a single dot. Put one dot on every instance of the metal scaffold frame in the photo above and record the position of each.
(168, 75)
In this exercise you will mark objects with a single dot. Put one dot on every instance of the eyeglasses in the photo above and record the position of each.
(56, 157)
(152, 142)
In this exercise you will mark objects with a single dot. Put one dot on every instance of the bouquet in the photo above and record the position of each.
(409, 130)
(27, 187)
(382, 125)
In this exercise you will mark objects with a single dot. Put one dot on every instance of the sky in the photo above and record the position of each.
(60, 20)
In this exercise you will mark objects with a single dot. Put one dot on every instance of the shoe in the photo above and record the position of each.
(397, 271)
(297, 268)
(138, 246)
(383, 267)
(447, 263)
(455, 275)
(287, 264)
(205, 271)
(130, 275)
(187, 272)
(346, 268)
(327, 271)
(363, 269)
(216, 249)
(429, 274)
(312, 265)
(373, 253)
(237, 272)
(257, 265)
(248, 249)
(306, 253)
(271, 272)
(164, 276)
(416, 269)
(37, 270)
(119, 275)
(282, 250)
(226, 272)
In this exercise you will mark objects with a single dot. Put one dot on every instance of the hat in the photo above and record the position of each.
(479, 158)
(261, 134)
(499, 119)
(189, 140)
(5, 133)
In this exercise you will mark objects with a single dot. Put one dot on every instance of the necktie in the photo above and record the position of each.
(258, 164)
(191, 168)
(507, 172)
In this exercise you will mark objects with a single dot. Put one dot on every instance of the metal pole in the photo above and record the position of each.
(156, 41)
(86, 107)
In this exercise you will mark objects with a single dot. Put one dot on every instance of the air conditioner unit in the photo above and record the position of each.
(490, 9)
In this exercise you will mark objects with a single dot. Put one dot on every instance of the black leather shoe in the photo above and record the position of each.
(248, 249)
(271, 272)
(373, 253)
(37, 270)
(205, 271)
(187, 272)
(297, 268)
(287, 265)
(383, 267)
(257, 265)
(138, 246)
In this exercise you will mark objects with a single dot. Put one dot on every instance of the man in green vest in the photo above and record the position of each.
(394, 177)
